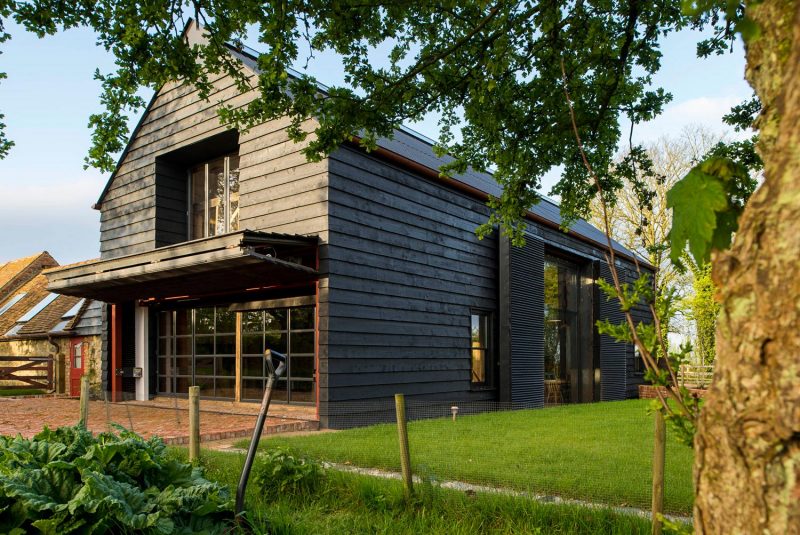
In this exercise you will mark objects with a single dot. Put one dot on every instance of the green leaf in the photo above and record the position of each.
(695, 201)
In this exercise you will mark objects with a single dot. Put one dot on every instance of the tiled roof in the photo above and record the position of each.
(35, 290)
(16, 273)
(24, 277)
(45, 320)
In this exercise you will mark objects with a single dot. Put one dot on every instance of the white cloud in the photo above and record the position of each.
(706, 111)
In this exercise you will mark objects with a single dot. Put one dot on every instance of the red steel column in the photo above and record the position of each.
(116, 352)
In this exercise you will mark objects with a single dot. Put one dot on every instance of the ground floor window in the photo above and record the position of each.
(222, 352)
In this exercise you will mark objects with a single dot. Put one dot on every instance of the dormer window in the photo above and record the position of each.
(214, 194)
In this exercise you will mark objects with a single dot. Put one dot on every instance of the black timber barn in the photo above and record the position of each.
(364, 268)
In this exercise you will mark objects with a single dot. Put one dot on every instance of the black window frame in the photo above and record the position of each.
(489, 351)
(226, 200)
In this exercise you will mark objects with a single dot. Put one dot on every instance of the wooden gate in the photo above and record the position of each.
(26, 373)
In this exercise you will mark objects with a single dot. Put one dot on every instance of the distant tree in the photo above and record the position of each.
(703, 309)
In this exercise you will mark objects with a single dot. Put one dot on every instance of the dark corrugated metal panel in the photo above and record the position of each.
(527, 320)
(613, 355)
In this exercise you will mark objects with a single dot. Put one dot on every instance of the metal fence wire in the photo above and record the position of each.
(598, 453)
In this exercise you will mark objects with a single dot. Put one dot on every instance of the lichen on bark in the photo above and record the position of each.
(747, 467)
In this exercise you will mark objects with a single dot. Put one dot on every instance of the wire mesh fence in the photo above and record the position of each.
(597, 453)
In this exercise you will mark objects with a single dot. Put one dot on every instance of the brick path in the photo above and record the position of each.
(168, 419)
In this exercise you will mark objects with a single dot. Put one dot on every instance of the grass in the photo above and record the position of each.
(348, 503)
(7, 392)
(596, 452)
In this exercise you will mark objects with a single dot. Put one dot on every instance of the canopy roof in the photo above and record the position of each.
(234, 262)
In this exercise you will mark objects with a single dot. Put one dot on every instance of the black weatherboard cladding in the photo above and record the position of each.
(405, 272)
(527, 320)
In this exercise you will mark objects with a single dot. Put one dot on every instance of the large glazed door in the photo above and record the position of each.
(77, 364)
(568, 371)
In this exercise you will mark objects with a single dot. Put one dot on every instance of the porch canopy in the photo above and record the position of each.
(234, 262)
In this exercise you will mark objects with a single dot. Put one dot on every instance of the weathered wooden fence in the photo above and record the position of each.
(26, 372)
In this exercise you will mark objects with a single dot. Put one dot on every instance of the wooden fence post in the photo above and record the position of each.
(84, 419)
(659, 447)
(194, 423)
(402, 433)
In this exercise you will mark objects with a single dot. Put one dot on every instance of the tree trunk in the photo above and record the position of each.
(747, 467)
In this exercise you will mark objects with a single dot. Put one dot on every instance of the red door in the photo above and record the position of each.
(77, 364)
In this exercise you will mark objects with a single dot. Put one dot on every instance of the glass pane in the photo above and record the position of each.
(303, 318)
(478, 366)
(163, 346)
(204, 366)
(183, 345)
(225, 388)
(164, 323)
(216, 197)
(162, 385)
(204, 345)
(302, 342)
(478, 335)
(252, 389)
(163, 366)
(302, 391)
(302, 367)
(198, 186)
(183, 322)
(276, 341)
(206, 385)
(275, 319)
(204, 321)
(226, 320)
(226, 366)
(252, 344)
(226, 344)
(253, 322)
(253, 366)
(183, 365)
(233, 188)
(279, 390)
(182, 385)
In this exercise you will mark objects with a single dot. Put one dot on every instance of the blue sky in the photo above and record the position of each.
(50, 93)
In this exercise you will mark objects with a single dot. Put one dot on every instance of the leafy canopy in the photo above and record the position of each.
(491, 71)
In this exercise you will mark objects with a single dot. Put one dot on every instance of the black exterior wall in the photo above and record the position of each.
(405, 271)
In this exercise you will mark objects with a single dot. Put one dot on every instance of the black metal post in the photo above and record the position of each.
(273, 375)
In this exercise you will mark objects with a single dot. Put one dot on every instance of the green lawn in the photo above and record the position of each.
(347, 503)
(598, 452)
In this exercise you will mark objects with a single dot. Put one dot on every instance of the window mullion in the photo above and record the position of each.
(205, 202)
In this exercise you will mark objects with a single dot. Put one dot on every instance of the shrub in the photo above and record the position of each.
(280, 472)
(67, 481)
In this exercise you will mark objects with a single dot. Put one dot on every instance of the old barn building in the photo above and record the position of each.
(363, 267)
(47, 341)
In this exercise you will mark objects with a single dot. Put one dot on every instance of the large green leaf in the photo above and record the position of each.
(695, 201)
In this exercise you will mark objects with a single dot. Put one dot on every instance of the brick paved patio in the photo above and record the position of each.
(165, 417)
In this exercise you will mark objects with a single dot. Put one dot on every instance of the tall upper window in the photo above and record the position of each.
(215, 196)
(479, 347)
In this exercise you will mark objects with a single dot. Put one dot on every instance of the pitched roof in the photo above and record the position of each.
(35, 290)
(15, 273)
(32, 302)
(416, 147)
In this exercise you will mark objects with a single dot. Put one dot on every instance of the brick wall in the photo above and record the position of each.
(649, 392)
